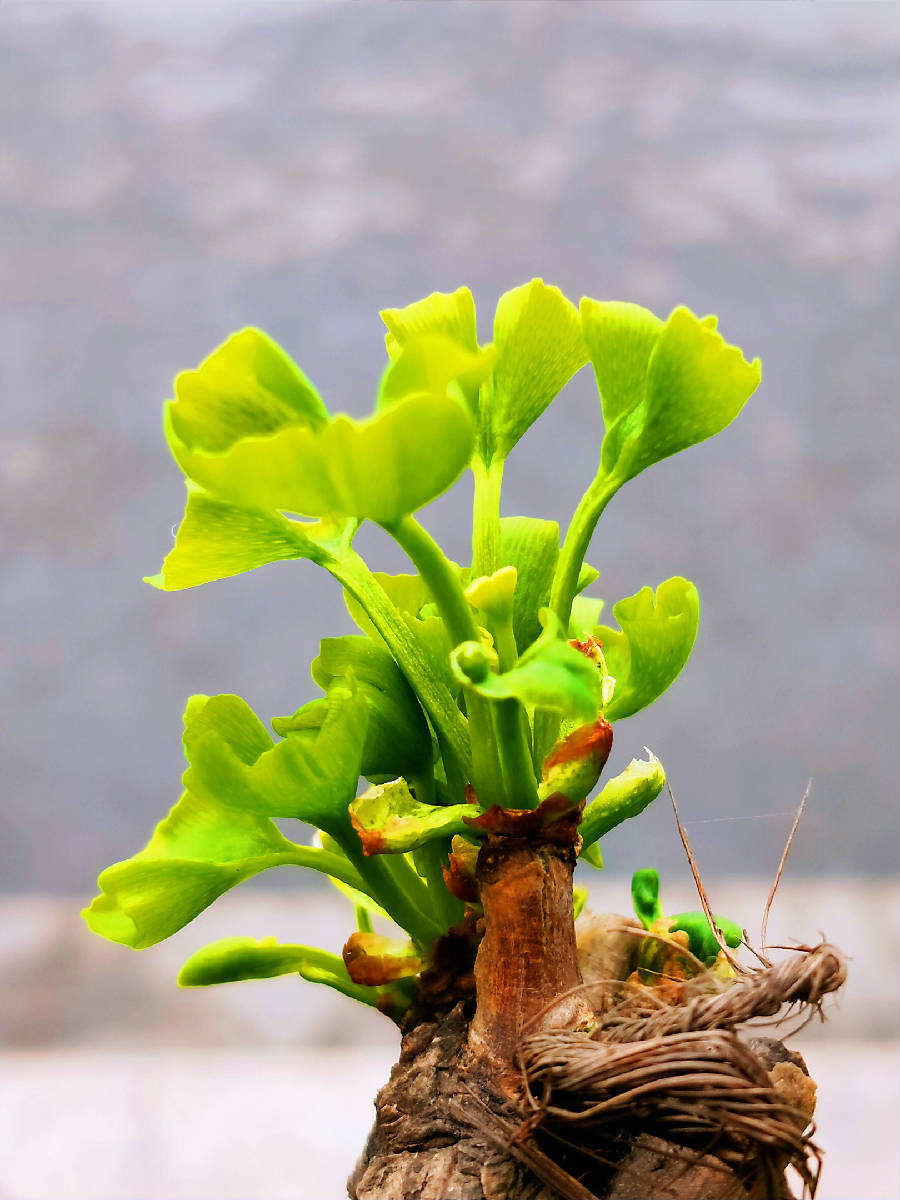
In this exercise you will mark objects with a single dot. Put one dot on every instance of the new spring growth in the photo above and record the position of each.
(573, 766)
(462, 681)
(701, 940)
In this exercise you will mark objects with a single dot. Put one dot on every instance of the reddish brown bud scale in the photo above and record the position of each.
(367, 964)
(460, 880)
(586, 740)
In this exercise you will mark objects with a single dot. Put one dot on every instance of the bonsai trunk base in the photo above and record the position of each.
(516, 1101)
(442, 1132)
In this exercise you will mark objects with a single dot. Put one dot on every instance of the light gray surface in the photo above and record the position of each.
(170, 172)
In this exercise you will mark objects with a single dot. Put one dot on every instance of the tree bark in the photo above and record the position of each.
(450, 1123)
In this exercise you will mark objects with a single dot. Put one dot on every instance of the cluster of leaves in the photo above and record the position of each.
(463, 679)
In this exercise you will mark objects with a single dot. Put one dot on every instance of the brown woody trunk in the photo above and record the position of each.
(447, 1120)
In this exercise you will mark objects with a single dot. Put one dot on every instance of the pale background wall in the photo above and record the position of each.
(169, 172)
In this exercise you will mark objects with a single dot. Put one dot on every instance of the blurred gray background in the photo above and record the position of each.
(170, 172)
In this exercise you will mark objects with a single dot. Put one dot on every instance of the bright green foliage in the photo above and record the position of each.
(231, 959)
(550, 674)
(313, 780)
(434, 365)
(397, 740)
(198, 852)
(537, 336)
(422, 444)
(532, 547)
(645, 896)
(655, 638)
(248, 387)
(390, 820)
(217, 539)
(702, 941)
(622, 797)
(663, 386)
(450, 315)
(462, 678)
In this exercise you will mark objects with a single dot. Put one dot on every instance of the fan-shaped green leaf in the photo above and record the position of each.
(247, 387)
(448, 314)
(381, 468)
(398, 740)
(198, 852)
(217, 539)
(537, 337)
(310, 778)
(663, 387)
(434, 365)
(656, 638)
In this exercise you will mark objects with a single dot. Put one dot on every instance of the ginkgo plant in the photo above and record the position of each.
(477, 700)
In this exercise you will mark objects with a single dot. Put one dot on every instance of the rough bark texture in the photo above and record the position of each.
(451, 1123)
(528, 956)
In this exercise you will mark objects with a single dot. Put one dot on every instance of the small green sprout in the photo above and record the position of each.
(701, 939)
(469, 689)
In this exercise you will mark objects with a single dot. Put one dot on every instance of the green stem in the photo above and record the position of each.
(456, 614)
(575, 547)
(352, 572)
(439, 576)
(565, 582)
(391, 881)
(316, 859)
(486, 523)
(429, 858)
(515, 756)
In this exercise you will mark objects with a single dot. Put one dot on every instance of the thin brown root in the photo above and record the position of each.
(805, 978)
(785, 852)
(704, 1091)
(701, 892)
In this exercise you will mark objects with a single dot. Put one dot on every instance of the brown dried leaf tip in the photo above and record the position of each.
(589, 646)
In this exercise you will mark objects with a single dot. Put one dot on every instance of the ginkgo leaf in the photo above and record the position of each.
(310, 778)
(448, 314)
(663, 386)
(584, 616)
(199, 851)
(381, 468)
(397, 737)
(234, 959)
(217, 539)
(550, 674)
(237, 958)
(247, 387)
(532, 547)
(537, 338)
(656, 637)
(433, 365)
(624, 796)
(430, 639)
(389, 820)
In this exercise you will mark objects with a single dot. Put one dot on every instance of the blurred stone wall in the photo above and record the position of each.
(171, 172)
